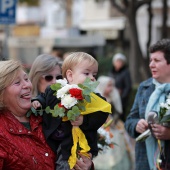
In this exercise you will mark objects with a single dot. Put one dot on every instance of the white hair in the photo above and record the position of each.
(114, 96)
(119, 56)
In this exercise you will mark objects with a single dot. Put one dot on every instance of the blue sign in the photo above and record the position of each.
(7, 11)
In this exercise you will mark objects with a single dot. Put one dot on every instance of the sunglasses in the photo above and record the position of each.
(50, 77)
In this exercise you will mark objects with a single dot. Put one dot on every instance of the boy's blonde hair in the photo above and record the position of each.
(76, 58)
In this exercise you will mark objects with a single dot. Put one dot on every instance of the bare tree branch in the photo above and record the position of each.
(126, 3)
(142, 2)
(113, 2)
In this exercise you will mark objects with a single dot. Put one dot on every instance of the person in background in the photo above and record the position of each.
(76, 68)
(148, 98)
(45, 71)
(108, 90)
(58, 53)
(121, 75)
(22, 142)
(121, 156)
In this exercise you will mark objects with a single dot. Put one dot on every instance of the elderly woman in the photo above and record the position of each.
(22, 143)
(121, 74)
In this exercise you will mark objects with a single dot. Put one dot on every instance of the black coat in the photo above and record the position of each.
(91, 123)
(122, 82)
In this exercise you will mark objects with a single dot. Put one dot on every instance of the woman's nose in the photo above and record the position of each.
(151, 64)
(27, 84)
(53, 80)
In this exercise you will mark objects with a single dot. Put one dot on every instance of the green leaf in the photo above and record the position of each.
(29, 113)
(86, 91)
(73, 113)
(47, 110)
(56, 86)
(90, 84)
(41, 112)
(88, 99)
(165, 118)
(34, 111)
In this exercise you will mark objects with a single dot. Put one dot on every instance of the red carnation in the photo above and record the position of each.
(77, 93)
(60, 105)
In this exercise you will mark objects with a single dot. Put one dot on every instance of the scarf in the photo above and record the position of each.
(157, 97)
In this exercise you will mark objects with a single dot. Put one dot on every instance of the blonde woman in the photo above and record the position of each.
(22, 142)
(45, 71)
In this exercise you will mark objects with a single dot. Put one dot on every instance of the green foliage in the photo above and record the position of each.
(105, 65)
(36, 112)
(73, 113)
(88, 86)
(55, 87)
(60, 111)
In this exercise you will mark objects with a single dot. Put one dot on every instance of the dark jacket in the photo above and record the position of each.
(122, 82)
(91, 123)
(21, 148)
(137, 112)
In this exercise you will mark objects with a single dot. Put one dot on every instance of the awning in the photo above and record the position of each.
(116, 23)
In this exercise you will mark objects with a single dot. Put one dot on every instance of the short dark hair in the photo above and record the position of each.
(163, 46)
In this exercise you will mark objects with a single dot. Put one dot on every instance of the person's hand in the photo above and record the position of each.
(78, 121)
(161, 132)
(36, 104)
(142, 126)
(84, 163)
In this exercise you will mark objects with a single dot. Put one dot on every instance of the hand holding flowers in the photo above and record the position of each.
(162, 118)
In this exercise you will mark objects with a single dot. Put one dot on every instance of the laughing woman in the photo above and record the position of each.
(22, 143)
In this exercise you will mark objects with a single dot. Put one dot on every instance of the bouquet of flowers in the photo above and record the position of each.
(73, 98)
(163, 117)
(105, 137)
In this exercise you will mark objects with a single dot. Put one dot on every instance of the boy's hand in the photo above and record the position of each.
(78, 121)
(36, 104)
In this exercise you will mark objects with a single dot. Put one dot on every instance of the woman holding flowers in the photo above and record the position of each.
(154, 152)
(76, 68)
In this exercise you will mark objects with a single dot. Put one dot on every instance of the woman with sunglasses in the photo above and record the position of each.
(44, 72)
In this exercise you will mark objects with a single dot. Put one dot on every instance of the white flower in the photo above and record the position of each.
(74, 86)
(105, 134)
(163, 105)
(168, 101)
(168, 97)
(63, 82)
(100, 146)
(64, 90)
(68, 101)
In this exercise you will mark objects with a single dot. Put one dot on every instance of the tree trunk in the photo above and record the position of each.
(164, 19)
(135, 51)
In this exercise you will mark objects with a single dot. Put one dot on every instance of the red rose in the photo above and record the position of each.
(77, 93)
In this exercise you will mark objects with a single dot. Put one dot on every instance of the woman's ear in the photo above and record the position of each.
(69, 76)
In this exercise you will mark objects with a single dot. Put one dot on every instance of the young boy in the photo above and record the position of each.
(76, 68)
